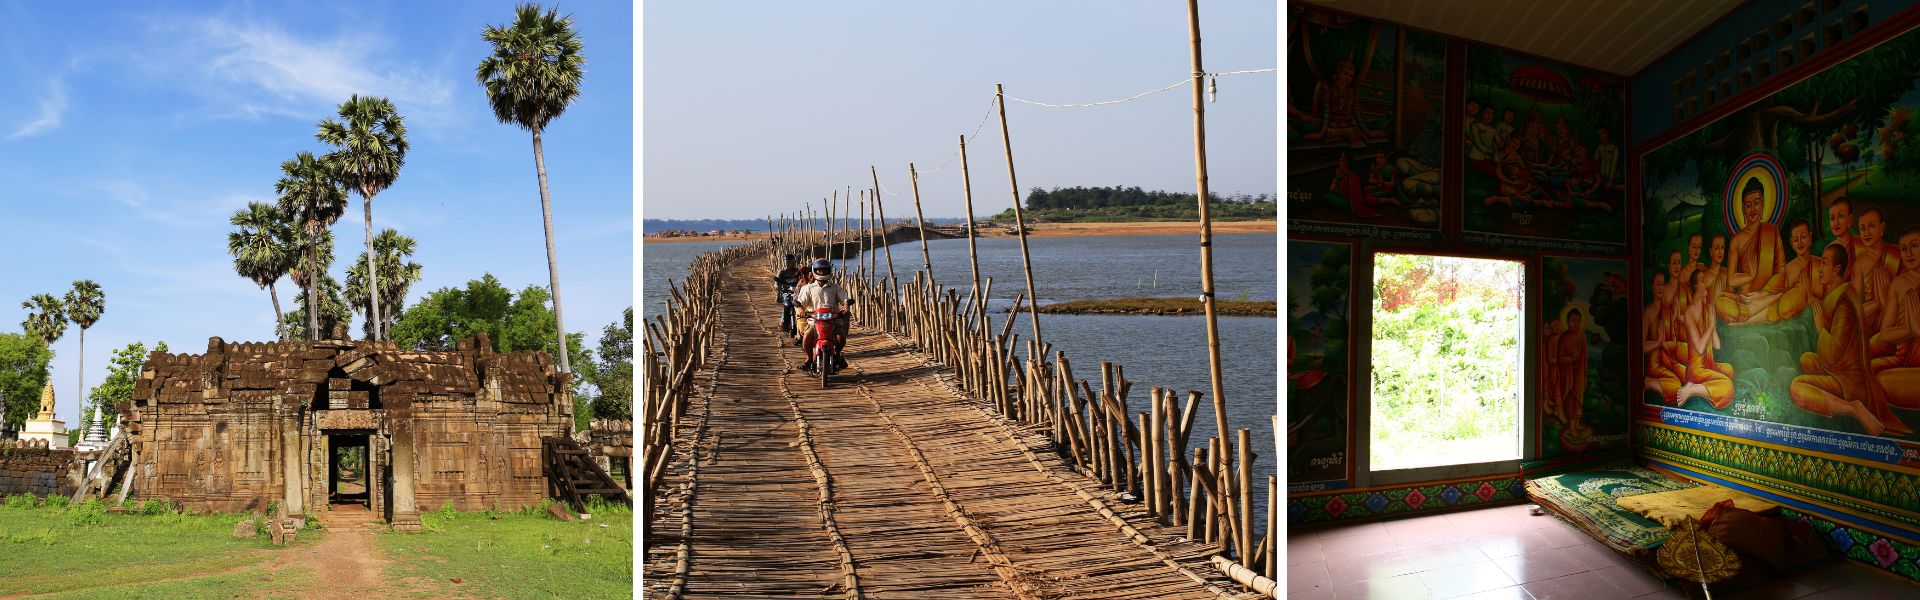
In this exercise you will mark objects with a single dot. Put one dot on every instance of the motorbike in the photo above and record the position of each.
(824, 354)
(786, 313)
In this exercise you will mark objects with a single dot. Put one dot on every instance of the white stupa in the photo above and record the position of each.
(45, 426)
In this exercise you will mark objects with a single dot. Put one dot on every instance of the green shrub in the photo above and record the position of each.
(56, 501)
(155, 507)
(87, 514)
(22, 501)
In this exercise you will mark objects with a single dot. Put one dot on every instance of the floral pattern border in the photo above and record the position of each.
(1866, 547)
(1868, 491)
(1327, 508)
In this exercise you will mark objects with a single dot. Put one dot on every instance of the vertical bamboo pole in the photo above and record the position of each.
(973, 257)
(828, 203)
(864, 238)
(1196, 510)
(1156, 464)
(880, 209)
(1019, 220)
(1273, 526)
(926, 259)
(845, 230)
(1145, 467)
(1206, 224)
(1246, 497)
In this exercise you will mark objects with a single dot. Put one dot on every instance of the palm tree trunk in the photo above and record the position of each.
(373, 277)
(313, 280)
(277, 315)
(80, 383)
(553, 264)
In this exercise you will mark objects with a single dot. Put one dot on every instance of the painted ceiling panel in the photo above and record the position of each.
(1614, 36)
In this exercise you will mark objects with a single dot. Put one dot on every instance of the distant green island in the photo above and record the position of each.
(1119, 204)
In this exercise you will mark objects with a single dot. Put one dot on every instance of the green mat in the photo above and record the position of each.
(1589, 500)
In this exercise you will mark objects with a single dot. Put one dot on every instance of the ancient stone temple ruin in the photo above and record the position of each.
(361, 425)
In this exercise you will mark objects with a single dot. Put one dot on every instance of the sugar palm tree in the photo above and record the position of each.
(372, 145)
(84, 304)
(310, 196)
(533, 74)
(394, 268)
(46, 318)
(263, 249)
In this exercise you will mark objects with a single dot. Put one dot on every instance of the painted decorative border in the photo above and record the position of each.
(1865, 547)
(1380, 502)
(1864, 490)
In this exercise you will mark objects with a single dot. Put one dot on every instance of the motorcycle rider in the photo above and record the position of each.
(824, 293)
(785, 282)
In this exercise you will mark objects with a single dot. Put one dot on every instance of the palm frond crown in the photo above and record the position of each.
(535, 69)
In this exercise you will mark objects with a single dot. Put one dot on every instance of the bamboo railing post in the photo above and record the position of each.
(1245, 488)
(1157, 465)
(1206, 223)
(880, 209)
(973, 257)
(920, 220)
(846, 232)
(1273, 526)
(828, 203)
(1196, 509)
(1019, 221)
(866, 275)
(1147, 483)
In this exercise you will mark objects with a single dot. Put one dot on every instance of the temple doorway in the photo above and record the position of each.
(347, 468)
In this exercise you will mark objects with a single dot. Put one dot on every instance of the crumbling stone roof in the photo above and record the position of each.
(250, 371)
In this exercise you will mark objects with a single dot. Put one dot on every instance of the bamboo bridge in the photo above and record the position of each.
(916, 475)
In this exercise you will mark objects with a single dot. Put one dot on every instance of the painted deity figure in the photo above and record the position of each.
(1789, 297)
(1583, 186)
(1564, 141)
(1681, 370)
(1693, 258)
(1550, 373)
(1876, 262)
(1572, 367)
(1380, 177)
(1608, 155)
(1896, 346)
(1483, 138)
(1834, 375)
(1516, 188)
(1360, 199)
(1755, 272)
(1335, 109)
(1505, 129)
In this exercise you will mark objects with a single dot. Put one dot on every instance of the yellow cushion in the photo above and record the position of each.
(1669, 508)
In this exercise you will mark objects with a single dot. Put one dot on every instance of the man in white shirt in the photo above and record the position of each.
(823, 293)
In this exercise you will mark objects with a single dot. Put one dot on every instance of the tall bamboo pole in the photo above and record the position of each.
(973, 256)
(1019, 221)
(844, 229)
(861, 260)
(926, 260)
(812, 227)
(1206, 227)
(880, 209)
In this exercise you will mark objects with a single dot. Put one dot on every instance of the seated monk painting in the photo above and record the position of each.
(1756, 270)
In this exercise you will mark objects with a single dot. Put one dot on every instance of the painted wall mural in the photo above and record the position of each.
(1319, 296)
(1782, 247)
(1544, 168)
(1364, 127)
(1584, 399)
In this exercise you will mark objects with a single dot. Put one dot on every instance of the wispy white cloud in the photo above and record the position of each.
(196, 212)
(52, 110)
(253, 68)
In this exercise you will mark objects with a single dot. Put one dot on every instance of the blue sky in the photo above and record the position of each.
(756, 108)
(130, 131)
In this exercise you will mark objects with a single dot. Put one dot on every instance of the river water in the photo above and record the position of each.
(1169, 352)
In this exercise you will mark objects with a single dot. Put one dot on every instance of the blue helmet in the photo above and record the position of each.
(822, 265)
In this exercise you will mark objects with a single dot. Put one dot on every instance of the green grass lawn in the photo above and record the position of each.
(77, 550)
(519, 554)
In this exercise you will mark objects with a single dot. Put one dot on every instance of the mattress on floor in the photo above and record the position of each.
(1590, 501)
(1669, 508)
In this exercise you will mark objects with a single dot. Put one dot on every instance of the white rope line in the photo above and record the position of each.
(1266, 70)
(1176, 84)
(976, 131)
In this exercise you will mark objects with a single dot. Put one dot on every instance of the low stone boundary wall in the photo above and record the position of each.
(38, 471)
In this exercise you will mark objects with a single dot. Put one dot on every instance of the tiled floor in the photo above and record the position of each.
(1504, 553)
